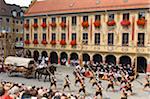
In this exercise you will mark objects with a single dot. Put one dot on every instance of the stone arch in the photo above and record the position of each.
(36, 55)
(74, 56)
(110, 59)
(53, 58)
(63, 58)
(85, 57)
(28, 53)
(141, 64)
(97, 58)
(124, 60)
(44, 54)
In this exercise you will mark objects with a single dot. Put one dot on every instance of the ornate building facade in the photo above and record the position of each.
(111, 31)
(11, 28)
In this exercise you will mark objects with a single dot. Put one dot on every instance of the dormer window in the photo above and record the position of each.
(14, 13)
(21, 14)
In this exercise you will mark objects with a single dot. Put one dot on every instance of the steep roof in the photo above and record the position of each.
(6, 9)
(40, 7)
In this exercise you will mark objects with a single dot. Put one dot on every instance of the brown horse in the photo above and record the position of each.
(46, 71)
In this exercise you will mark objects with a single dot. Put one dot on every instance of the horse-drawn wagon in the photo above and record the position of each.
(25, 66)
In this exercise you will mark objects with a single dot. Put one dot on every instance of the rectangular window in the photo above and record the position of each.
(17, 22)
(44, 36)
(97, 17)
(85, 38)
(97, 38)
(141, 15)
(110, 38)
(74, 20)
(85, 18)
(7, 20)
(17, 30)
(53, 19)
(63, 19)
(21, 39)
(53, 36)
(44, 20)
(73, 36)
(16, 39)
(27, 21)
(111, 17)
(21, 22)
(126, 16)
(125, 39)
(27, 36)
(141, 38)
(35, 36)
(35, 20)
(63, 36)
(1, 19)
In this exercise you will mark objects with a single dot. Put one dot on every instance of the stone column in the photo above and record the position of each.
(104, 59)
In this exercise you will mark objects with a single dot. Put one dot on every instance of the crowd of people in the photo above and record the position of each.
(120, 75)
(10, 90)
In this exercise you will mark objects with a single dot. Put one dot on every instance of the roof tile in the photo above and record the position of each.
(73, 6)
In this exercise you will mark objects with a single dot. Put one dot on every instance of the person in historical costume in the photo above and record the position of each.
(98, 91)
(82, 88)
(67, 83)
(124, 94)
(147, 83)
(110, 85)
(53, 82)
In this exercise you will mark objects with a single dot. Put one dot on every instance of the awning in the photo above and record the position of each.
(18, 61)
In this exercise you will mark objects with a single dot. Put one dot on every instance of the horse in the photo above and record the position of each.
(46, 71)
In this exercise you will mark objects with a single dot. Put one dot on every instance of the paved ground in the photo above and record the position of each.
(62, 71)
